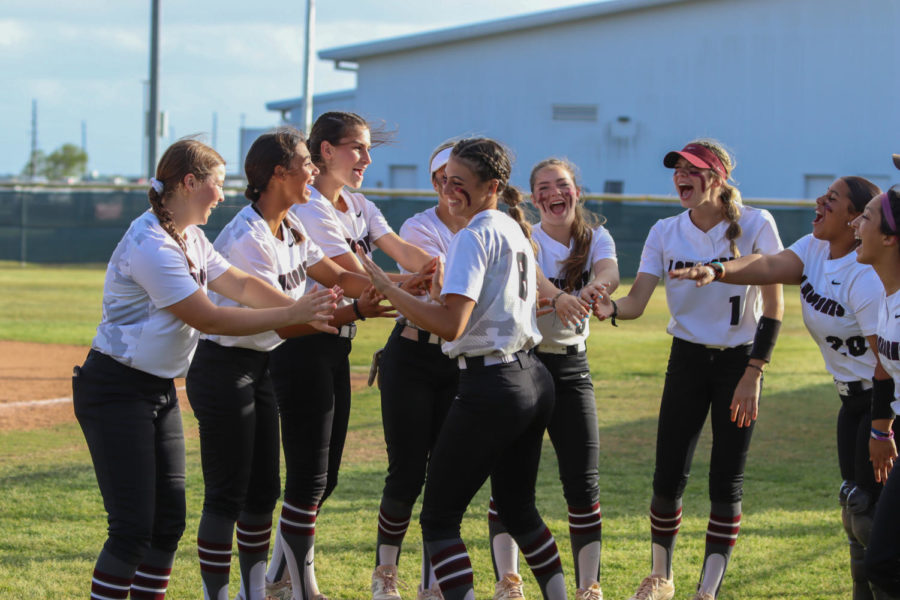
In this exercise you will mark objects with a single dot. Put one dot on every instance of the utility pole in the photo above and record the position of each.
(308, 59)
(153, 111)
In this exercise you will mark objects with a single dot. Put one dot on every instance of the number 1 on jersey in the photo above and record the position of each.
(735, 309)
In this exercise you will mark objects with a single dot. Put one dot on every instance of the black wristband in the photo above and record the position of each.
(882, 396)
(612, 319)
(764, 339)
(359, 315)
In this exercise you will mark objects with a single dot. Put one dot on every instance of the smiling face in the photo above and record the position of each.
(347, 160)
(834, 211)
(300, 174)
(868, 231)
(466, 194)
(694, 185)
(555, 195)
(204, 195)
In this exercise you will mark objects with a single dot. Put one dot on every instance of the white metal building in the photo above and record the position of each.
(800, 90)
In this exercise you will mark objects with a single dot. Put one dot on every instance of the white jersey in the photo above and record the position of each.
(337, 232)
(492, 263)
(426, 231)
(889, 341)
(551, 256)
(840, 308)
(248, 244)
(148, 272)
(718, 315)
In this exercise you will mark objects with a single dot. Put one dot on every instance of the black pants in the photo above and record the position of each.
(573, 427)
(853, 442)
(231, 393)
(132, 425)
(701, 381)
(418, 383)
(311, 375)
(883, 551)
(494, 429)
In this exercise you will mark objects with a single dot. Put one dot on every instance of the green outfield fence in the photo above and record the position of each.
(83, 223)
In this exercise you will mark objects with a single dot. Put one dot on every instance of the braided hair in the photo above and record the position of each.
(185, 156)
(729, 194)
(489, 159)
(582, 227)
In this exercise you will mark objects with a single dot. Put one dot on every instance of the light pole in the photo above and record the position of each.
(308, 59)
(153, 111)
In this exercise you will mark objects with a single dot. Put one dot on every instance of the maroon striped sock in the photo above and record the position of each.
(452, 567)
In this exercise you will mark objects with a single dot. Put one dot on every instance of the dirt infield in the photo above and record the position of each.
(36, 384)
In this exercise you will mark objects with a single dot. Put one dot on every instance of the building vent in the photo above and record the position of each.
(574, 112)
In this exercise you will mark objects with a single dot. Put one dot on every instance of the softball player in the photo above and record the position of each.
(575, 254)
(718, 330)
(154, 307)
(879, 234)
(417, 383)
(312, 373)
(228, 384)
(840, 309)
(495, 424)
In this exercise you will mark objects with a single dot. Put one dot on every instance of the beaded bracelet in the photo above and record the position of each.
(881, 435)
(612, 318)
(718, 269)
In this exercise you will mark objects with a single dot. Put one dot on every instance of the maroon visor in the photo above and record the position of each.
(699, 156)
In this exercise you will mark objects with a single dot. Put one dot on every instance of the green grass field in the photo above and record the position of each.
(52, 522)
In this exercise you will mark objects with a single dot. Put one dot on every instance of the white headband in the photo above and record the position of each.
(157, 185)
(440, 159)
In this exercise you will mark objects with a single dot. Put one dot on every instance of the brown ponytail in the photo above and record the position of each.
(730, 196)
(185, 156)
(583, 227)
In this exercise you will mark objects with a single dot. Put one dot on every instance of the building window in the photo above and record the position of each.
(402, 177)
(574, 112)
(613, 186)
(815, 185)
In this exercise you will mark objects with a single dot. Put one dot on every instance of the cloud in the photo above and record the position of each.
(12, 34)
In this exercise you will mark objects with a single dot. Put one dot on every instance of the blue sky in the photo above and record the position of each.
(87, 61)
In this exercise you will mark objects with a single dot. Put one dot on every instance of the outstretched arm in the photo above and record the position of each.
(753, 269)
(630, 306)
(447, 319)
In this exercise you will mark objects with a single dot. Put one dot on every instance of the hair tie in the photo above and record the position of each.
(157, 185)
(888, 214)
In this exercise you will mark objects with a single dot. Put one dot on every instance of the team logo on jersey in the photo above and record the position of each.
(365, 243)
(294, 279)
(888, 349)
(200, 277)
(561, 283)
(820, 303)
(687, 264)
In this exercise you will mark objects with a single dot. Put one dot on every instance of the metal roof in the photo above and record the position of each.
(292, 103)
(488, 28)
